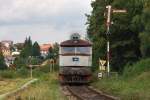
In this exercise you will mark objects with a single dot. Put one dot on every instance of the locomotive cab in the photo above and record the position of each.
(75, 60)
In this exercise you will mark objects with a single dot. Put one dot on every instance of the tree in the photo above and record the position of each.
(145, 35)
(36, 50)
(124, 37)
(27, 50)
(50, 53)
(96, 30)
(56, 50)
(2, 62)
(53, 52)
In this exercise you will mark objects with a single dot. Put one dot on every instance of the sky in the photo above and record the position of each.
(46, 21)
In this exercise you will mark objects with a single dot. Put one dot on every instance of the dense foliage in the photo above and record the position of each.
(30, 54)
(53, 52)
(129, 38)
(145, 35)
(27, 50)
(36, 50)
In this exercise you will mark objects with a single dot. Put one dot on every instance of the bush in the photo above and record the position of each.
(137, 68)
(8, 74)
(23, 72)
(20, 62)
(37, 73)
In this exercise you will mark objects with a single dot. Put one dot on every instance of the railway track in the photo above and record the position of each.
(86, 93)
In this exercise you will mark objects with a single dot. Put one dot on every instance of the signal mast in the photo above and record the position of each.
(108, 23)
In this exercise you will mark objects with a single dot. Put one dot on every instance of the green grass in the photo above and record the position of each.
(13, 74)
(7, 85)
(47, 88)
(134, 84)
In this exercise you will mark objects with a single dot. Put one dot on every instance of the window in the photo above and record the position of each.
(77, 50)
(83, 50)
(67, 50)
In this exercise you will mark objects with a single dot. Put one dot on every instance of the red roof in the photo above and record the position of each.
(77, 43)
(4, 48)
(45, 47)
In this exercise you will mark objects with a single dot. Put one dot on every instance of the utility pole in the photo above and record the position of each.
(31, 71)
(30, 66)
(108, 23)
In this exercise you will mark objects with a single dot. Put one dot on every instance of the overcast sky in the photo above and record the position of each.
(46, 21)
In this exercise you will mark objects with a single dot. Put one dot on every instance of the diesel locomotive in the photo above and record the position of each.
(75, 60)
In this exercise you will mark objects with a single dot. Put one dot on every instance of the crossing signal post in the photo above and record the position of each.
(108, 24)
(102, 68)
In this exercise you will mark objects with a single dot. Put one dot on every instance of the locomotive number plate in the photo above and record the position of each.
(75, 59)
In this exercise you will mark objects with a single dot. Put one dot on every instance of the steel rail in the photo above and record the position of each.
(86, 93)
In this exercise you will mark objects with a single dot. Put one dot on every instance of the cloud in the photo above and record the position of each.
(56, 17)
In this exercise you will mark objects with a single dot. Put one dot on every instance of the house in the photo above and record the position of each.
(6, 46)
(7, 43)
(15, 52)
(44, 49)
(6, 51)
(9, 60)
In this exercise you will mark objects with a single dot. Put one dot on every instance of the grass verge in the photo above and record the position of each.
(7, 85)
(46, 88)
(134, 84)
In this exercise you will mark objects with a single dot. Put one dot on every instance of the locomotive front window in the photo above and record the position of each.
(83, 50)
(67, 50)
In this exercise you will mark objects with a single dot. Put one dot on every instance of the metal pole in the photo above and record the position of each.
(30, 57)
(50, 66)
(108, 33)
(108, 57)
(108, 51)
(53, 66)
(31, 72)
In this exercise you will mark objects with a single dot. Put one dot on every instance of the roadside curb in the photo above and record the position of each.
(3, 96)
(113, 97)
